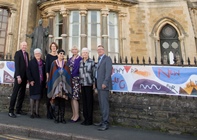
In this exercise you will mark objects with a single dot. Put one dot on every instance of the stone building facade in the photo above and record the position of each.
(144, 28)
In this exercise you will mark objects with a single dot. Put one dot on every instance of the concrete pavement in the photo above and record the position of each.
(47, 130)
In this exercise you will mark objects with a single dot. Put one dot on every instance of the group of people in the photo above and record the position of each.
(63, 80)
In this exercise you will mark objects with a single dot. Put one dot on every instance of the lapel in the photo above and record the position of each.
(21, 53)
(35, 62)
(36, 65)
(101, 61)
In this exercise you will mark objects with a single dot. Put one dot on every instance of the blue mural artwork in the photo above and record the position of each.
(174, 75)
(118, 82)
(10, 65)
(145, 85)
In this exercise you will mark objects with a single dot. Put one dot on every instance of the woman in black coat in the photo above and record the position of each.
(37, 79)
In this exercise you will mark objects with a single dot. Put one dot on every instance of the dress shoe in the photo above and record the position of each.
(21, 113)
(56, 121)
(74, 121)
(32, 116)
(103, 127)
(83, 123)
(12, 115)
(98, 124)
(88, 123)
(63, 121)
(37, 116)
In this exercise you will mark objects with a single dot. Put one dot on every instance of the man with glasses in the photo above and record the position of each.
(104, 85)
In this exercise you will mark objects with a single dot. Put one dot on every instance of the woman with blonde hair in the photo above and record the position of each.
(74, 63)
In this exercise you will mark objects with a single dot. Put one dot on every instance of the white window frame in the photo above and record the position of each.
(56, 27)
(93, 52)
(70, 32)
(115, 38)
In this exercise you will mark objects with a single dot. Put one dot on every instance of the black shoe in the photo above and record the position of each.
(12, 115)
(88, 123)
(37, 116)
(32, 116)
(74, 121)
(56, 121)
(103, 127)
(21, 112)
(98, 124)
(49, 117)
(84, 123)
(63, 121)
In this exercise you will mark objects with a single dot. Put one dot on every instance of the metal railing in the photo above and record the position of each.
(132, 61)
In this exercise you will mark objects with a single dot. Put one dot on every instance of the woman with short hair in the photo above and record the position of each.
(59, 85)
(86, 70)
(36, 76)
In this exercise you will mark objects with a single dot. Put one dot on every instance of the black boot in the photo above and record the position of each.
(56, 114)
(62, 112)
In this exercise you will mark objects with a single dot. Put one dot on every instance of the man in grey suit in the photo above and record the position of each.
(104, 85)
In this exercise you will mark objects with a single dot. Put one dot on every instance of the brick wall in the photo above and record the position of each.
(176, 114)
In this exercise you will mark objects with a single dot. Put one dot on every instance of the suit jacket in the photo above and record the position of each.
(20, 65)
(33, 75)
(104, 70)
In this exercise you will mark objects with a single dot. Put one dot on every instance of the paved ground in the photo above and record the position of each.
(14, 137)
(47, 129)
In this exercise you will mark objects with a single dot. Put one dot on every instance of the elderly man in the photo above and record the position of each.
(21, 60)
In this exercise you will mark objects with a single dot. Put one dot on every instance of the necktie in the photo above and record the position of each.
(99, 59)
(25, 58)
(97, 65)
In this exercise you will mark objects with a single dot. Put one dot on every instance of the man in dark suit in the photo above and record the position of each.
(104, 85)
(21, 60)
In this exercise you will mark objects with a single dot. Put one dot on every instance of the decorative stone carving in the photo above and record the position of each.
(83, 12)
(104, 12)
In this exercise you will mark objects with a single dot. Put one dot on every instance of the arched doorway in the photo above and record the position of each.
(170, 45)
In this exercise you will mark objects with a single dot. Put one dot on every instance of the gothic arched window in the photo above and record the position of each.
(170, 45)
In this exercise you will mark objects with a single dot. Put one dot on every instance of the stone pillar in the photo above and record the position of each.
(10, 30)
(83, 14)
(23, 21)
(183, 49)
(51, 16)
(64, 35)
(122, 33)
(104, 29)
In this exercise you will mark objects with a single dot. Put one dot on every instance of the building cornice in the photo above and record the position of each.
(192, 5)
(46, 4)
(7, 5)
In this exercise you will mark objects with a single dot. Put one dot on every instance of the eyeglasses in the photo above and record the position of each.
(99, 49)
(62, 53)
